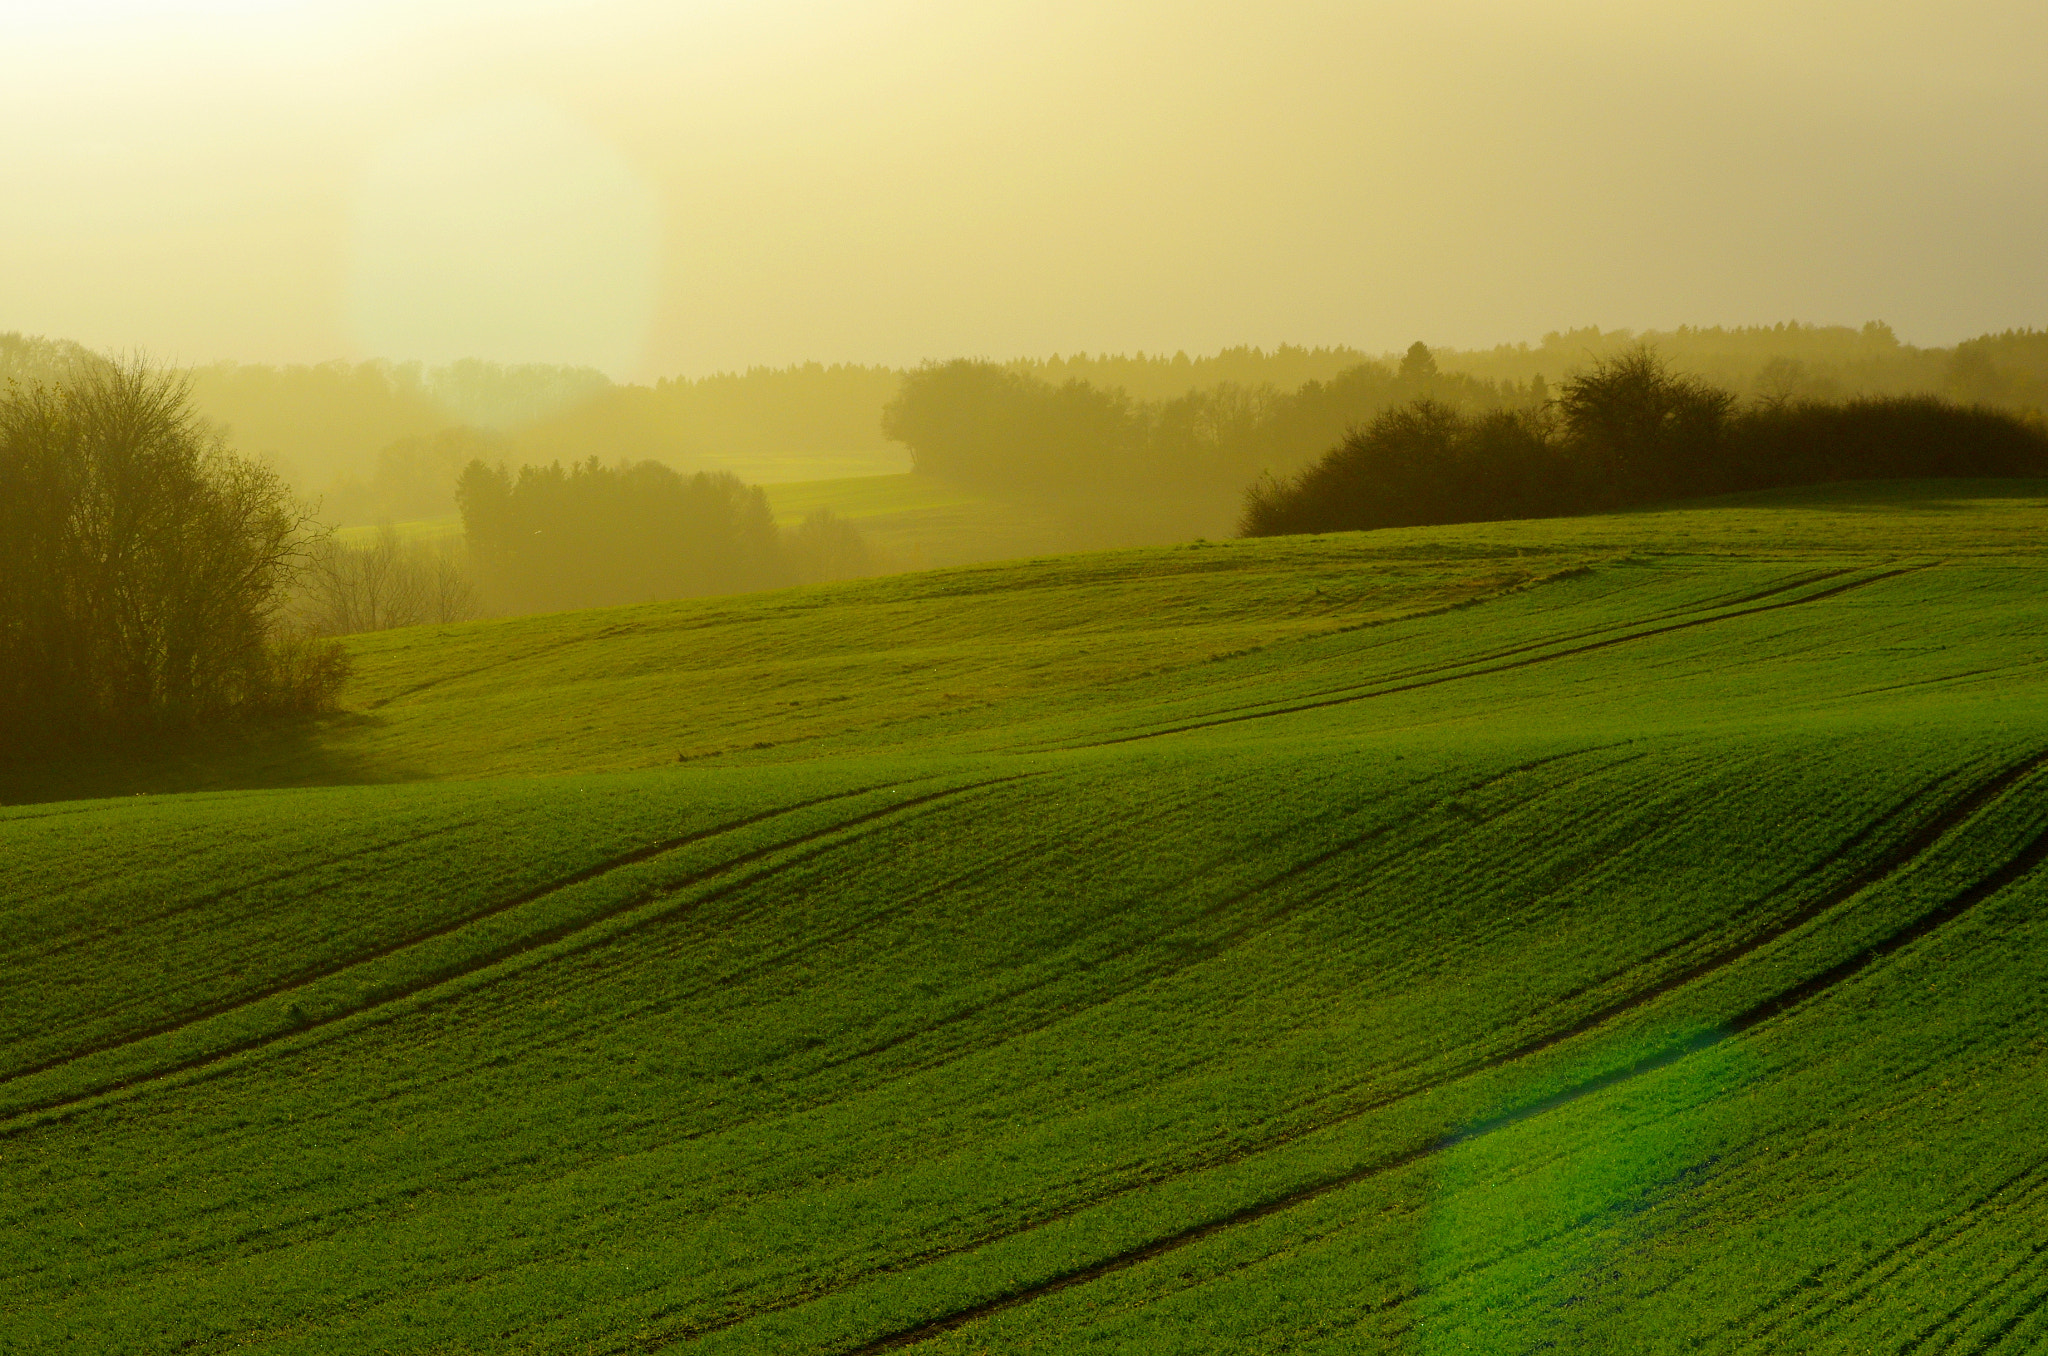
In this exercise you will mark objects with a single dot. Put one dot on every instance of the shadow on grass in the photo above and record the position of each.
(246, 758)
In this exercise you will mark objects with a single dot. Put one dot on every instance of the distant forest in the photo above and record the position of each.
(1005, 430)
(381, 440)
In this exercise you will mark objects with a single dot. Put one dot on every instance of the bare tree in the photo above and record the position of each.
(145, 566)
(386, 583)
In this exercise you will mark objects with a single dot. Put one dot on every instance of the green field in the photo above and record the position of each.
(1616, 934)
(914, 522)
(918, 522)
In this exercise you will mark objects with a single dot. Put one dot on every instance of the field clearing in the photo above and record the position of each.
(1612, 934)
(919, 522)
(437, 530)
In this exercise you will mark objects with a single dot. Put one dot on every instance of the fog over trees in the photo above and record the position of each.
(384, 583)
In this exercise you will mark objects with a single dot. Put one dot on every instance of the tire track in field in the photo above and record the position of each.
(604, 633)
(1940, 1233)
(2026, 1311)
(1345, 697)
(1715, 604)
(85, 934)
(1065, 1014)
(2028, 1267)
(1208, 951)
(1897, 860)
(993, 868)
(1528, 584)
(1060, 972)
(113, 867)
(1870, 830)
(2015, 867)
(1252, 927)
(1010, 1034)
(1963, 808)
(304, 977)
(530, 942)
(1293, 871)
(768, 959)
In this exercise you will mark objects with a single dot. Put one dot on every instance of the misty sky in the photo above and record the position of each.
(693, 185)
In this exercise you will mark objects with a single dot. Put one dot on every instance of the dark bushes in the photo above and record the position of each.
(1628, 433)
(1421, 463)
(143, 569)
(1637, 431)
(1887, 438)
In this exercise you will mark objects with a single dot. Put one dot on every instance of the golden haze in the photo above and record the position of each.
(682, 187)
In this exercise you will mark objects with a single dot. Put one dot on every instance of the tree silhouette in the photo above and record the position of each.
(146, 568)
(1418, 364)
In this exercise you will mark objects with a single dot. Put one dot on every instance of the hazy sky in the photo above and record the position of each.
(661, 186)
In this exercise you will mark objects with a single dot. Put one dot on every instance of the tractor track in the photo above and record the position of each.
(1716, 605)
(1870, 1273)
(1962, 809)
(193, 1017)
(1468, 669)
(17, 1117)
(2019, 865)
(85, 934)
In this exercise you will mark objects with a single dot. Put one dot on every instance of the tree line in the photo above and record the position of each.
(1625, 433)
(378, 440)
(551, 538)
(991, 426)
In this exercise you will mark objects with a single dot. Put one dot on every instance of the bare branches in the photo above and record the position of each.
(383, 584)
(145, 564)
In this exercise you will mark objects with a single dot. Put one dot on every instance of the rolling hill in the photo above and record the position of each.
(1614, 934)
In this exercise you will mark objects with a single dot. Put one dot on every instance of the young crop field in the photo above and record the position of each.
(1604, 935)
(917, 521)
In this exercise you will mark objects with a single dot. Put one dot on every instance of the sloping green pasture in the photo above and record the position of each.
(1610, 935)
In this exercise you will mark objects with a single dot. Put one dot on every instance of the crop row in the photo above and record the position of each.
(1076, 989)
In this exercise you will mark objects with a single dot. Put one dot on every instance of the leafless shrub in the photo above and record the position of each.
(385, 583)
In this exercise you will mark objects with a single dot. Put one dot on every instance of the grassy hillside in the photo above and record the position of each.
(1616, 934)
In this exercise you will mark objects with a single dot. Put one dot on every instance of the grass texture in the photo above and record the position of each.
(1617, 934)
